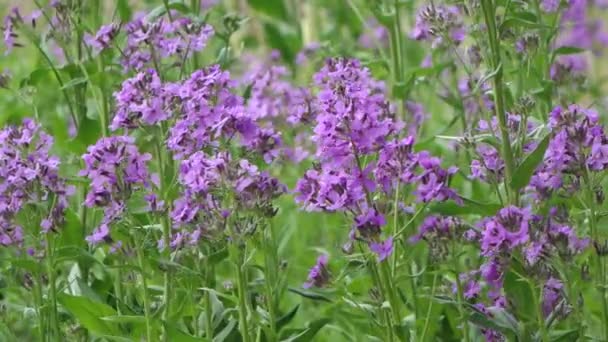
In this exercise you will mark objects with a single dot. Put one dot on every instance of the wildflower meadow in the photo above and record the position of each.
(303, 170)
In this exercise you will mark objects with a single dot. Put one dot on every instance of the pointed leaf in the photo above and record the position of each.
(88, 312)
(523, 173)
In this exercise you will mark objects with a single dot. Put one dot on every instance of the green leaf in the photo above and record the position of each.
(74, 82)
(226, 331)
(304, 334)
(218, 256)
(523, 173)
(124, 10)
(309, 294)
(567, 50)
(564, 335)
(161, 10)
(498, 321)
(27, 265)
(273, 8)
(284, 39)
(288, 317)
(125, 319)
(88, 312)
(176, 335)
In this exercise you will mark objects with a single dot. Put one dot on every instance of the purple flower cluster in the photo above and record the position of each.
(489, 165)
(9, 29)
(149, 41)
(143, 99)
(441, 24)
(213, 187)
(319, 275)
(272, 96)
(103, 38)
(437, 227)
(506, 231)
(29, 176)
(374, 35)
(209, 110)
(354, 124)
(116, 170)
(578, 144)
(580, 29)
(475, 101)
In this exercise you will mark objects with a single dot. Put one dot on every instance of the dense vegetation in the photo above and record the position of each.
(276, 170)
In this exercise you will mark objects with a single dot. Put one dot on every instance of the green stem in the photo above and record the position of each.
(395, 228)
(507, 154)
(539, 312)
(38, 304)
(242, 293)
(208, 306)
(166, 232)
(54, 329)
(429, 309)
(395, 44)
(378, 284)
(118, 287)
(391, 294)
(144, 282)
(64, 91)
(270, 259)
(464, 321)
(598, 262)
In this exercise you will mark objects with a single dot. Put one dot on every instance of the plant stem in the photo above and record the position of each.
(118, 288)
(166, 231)
(140, 258)
(599, 262)
(395, 43)
(490, 20)
(539, 312)
(429, 309)
(391, 294)
(38, 304)
(242, 293)
(463, 317)
(270, 259)
(55, 335)
(208, 307)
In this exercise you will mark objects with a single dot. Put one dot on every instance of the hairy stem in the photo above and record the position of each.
(499, 97)
(598, 262)
(54, 322)
(144, 282)
(208, 306)
(242, 293)
(270, 259)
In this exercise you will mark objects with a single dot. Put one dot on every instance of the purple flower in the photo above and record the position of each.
(162, 38)
(549, 6)
(307, 52)
(319, 275)
(505, 231)
(103, 38)
(10, 24)
(437, 22)
(142, 100)
(29, 175)
(116, 170)
(374, 34)
(370, 223)
(579, 143)
(552, 294)
(436, 227)
(567, 68)
(382, 249)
